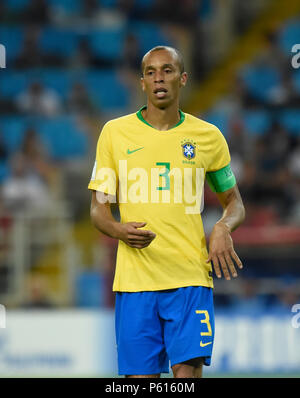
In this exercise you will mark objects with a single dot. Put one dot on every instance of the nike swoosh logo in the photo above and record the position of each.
(129, 152)
(204, 344)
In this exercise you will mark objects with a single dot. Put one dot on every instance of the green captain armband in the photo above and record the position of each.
(221, 180)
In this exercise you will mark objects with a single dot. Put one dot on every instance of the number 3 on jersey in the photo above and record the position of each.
(206, 321)
(165, 175)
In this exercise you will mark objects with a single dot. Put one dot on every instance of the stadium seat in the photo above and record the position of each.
(290, 119)
(205, 9)
(296, 80)
(62, 137)
(108, 3)
(219, 118)
(144, 4)
(12, 39)
(257, 122)
(61, 41)
(12, 83)
(289, 35)
(107, 43)
(58, 80)
(13, 129)
(102, 85)
(106, 89)
(89, 289)
(4, 171)
(260, 81)
(149, 35)
(68, 6)
(16, 5)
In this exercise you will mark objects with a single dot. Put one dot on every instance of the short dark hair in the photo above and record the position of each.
(167, 48)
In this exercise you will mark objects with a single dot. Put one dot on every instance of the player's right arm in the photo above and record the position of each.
(104, 221)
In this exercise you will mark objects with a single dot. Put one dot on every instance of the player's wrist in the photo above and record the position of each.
(222, 224)
(116, 230)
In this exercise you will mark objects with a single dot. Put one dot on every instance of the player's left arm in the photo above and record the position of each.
(221, 250)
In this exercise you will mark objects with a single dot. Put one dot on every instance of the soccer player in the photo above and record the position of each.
(153, 163)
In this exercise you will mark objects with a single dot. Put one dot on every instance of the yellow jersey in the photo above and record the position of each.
(158, 177)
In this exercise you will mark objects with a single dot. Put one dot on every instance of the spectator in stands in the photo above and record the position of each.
(129, 9)
(272, 55)
(83, 56)
(248, 301)
(176, 12)
(89, 9)
(3, 11)
(3, 150)
(188, 13)
(37, 12)
(284, 94)
(24, 189)
(294, 170)
(4, 170)
(90, 13)
(238, 99)
(7, 105)
(294, 159)
(135, 10)
(248, 182)
(38, 100)
(239, 141)
(30, 55)
(6, 224)
(7, 14)
(36, 156)
(287, 296)
(273, 178)
(37, 292)
(165, 10)
(79, 101)
(131, 56)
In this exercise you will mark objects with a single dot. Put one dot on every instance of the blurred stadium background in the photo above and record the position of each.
(71, 66)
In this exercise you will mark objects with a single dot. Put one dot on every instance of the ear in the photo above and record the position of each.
(143, 84)
(183, 79)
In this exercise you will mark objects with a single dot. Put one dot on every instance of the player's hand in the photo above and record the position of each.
(134, 237)
(221, 252)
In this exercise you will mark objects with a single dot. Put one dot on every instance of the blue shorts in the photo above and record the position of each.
(155, 327)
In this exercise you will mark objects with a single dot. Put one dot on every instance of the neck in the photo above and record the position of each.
(162, 119)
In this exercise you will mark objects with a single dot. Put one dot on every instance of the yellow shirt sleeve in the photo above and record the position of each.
(104, 176)
(220, 156)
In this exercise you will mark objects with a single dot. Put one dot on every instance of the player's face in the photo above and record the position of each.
(162, 78)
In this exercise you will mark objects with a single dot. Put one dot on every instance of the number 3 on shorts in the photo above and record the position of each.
(206, 321)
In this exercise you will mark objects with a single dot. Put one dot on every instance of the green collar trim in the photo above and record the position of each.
(140, 116)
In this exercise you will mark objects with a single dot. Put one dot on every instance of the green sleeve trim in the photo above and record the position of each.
(221, 180)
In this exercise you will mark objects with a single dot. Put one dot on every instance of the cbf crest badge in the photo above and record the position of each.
(188, 149)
